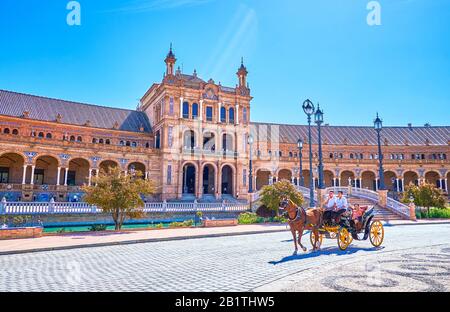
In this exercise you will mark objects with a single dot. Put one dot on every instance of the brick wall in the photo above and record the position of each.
(29, 232)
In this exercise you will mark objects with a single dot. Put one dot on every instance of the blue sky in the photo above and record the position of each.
(293, 49)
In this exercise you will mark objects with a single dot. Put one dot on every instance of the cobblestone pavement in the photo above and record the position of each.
(411, 258)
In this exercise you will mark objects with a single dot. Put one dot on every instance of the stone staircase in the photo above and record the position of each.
(380, 212)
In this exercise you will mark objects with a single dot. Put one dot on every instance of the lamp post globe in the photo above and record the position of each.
(309, 109)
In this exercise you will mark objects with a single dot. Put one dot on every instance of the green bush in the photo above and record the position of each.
(188, 223)
(60, 231)
(159, 226)
(249, 218)
(97, 227)
(435, 213)
(280, 219)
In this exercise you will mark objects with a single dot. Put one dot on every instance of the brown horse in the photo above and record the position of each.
(300, 220)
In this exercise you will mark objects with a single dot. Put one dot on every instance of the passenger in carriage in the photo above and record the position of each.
(357, 215)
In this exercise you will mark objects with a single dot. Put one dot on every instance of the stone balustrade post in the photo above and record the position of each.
(383, 196)
(412, 211)
(3, 205)
(51, 205)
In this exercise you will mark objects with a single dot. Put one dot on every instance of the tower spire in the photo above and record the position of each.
(242, 74)
(170, 61)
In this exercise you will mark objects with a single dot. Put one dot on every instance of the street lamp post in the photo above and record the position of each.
(378, 124)
(250, 168)
(308, 108)
(318, 116)
(300, 156)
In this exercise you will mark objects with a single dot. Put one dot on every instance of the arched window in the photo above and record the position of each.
(128, 143)
(133, 144)
(79, 139)
(244, 114)
(194, 111)
(231, 115)
(223, 114)
(15, 132)
(331, 155)
(6, 131)
(209, 113)
(185, 110)
(108, 142)
(72, 138)
(48, 135)
(121, 143)
(158, 139)
(41, 134)
(94, 140)
(341, 155)
(101, 141)
(33, 133)
(351, 156)
(290, 154)
(147, 145)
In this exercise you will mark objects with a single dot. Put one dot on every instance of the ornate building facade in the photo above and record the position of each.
(191, 137)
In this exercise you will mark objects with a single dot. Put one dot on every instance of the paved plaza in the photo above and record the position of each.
(414, 258)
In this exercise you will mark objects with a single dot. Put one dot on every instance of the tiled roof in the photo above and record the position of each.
(46, 109)
(352, 135)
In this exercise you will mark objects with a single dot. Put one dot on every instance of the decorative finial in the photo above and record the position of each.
(171, 47)
(242, 60)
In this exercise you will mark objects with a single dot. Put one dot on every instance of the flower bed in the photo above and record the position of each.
(218, 223)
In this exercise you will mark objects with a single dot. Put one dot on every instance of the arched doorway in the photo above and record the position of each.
(209, 142)
(227, 180)
(347, 177)
(189, 139)
(209, 176)
(411, 177)
(262, 178)
(137, 167)
(328, 177)
(432, 177)
(106, 165)
(46, 170)
(78, 173)
(305, 174)
(369, 180)
(285, 174)
(227, 142)
(11, 168)
(189, 177)
(390, 182)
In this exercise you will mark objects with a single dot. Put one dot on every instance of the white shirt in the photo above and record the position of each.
(341, 203)
(331, 202)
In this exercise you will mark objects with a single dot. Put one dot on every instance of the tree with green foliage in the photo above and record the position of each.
(119, 194)
(425, 195)
(272, 195)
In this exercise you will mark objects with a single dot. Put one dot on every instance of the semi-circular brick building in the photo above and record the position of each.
(190, 136)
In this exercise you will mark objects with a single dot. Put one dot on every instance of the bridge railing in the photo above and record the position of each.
(399, 208)
(38, 208)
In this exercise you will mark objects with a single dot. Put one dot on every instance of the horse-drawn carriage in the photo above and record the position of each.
(346, 230)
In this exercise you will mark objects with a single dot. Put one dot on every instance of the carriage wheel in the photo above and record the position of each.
(344, 238)
(376, 233)
(312, 237)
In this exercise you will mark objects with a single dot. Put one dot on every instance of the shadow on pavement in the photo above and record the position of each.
(324, 251)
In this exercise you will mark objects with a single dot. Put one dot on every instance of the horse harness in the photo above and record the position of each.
(297, 216)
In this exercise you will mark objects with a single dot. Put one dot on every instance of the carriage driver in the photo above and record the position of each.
(341, 205)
